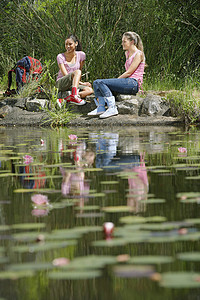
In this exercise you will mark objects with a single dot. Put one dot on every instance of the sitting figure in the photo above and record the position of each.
(70, 66)
(127, 83)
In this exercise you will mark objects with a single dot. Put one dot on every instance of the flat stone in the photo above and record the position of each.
(5, 110)
(36, 105)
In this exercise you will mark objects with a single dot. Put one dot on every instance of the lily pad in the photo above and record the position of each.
(131, 271)
(110, 242)
(88, 207)
(189, 256)
(75, 274)
(28, 226)
(34, 266)
(180, 280)
(43, 246)
(150, 259)
(16, 275)
(91, 262)
(132, 219)
(115, 209)
(153, 201)
(109, 182)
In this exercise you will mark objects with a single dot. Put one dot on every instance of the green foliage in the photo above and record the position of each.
(169, 30)
(186, 103)
(58, 117)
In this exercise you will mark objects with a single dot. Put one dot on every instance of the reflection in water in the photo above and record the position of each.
(121, 161)
(74, 183)
(138, 186)
(108, 158)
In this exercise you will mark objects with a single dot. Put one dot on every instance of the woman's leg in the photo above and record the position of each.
(99, 101)
(127, 86)
(74, 97)
(76, 77)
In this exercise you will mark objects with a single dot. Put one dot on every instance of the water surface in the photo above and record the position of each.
(58, 188)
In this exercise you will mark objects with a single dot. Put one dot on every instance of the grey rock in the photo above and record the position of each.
(154, 105)
(129, 107)
(36, 104)
(4, 110)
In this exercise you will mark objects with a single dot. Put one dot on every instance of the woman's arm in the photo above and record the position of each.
(63, 69)
(136, 61)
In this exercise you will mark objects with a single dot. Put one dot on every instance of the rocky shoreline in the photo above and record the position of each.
(139, 110)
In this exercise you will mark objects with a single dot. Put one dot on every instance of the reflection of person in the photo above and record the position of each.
(73, 183)
(106, 148)
(70, 66)
(138, 186)
(28, 170)
(127, 83)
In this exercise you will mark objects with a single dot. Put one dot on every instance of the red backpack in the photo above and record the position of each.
(24, 69)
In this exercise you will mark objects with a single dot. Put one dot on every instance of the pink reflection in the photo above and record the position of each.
(72, 137)
(39, 212)
(40, 199)
(182, 150)
(138, 186)
(27, 159)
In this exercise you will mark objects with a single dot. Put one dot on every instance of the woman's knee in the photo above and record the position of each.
(76, 73)
(97, 82)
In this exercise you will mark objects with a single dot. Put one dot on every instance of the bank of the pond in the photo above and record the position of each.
(140, 110)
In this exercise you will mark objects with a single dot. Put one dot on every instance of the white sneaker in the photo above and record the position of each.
(111, 111)
(97, 111)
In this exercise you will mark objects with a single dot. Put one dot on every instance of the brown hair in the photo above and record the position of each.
(75, 39)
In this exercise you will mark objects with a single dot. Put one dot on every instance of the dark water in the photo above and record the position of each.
(140, 179)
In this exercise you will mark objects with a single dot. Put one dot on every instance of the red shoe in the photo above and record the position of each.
(75, 99)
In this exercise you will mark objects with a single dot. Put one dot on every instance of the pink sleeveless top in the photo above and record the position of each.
(138, 73)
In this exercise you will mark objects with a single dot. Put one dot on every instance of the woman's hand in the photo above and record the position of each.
(85, 83)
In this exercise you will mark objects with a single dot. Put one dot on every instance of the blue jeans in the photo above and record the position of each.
(105, 87)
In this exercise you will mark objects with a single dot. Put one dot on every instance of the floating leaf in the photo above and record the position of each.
(150, 259)
(109, 182)
(189, 256)
(35, 190)
(90, 215)
(4, 227)
(16, 275)
(95, 195)
(132, 219)
(153, 201)
(88, 207)
(131, 271)
(43, 246)
(75, 275)
(28, 226)
(27, 236)
(91, 262)
(180, 280)
(110, 242)
(34, 266)
(115, 209)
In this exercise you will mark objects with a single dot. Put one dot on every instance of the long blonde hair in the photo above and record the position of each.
(133, 36)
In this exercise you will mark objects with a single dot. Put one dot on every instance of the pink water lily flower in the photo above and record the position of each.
(182, 150)
(40, 199)
(27, 159)
(72, 137)
(61, 261)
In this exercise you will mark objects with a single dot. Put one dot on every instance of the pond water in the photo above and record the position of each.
(60, 186)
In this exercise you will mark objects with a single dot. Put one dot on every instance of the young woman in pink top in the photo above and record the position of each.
(127, 83)
(70, 66)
